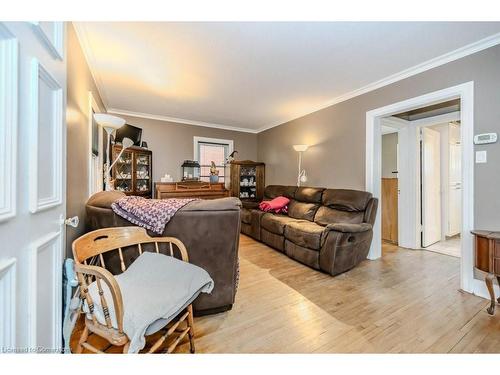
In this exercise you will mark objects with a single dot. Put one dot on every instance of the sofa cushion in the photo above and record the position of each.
(305, 234)
(309, 194)
(273, 191)
(104, 199)
(346, 200)
(301, 210)
(302, 254)
(246, 216)
(326, 215)
(276, 241)
(275, 223)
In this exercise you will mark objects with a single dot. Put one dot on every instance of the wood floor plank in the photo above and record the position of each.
(406, 302)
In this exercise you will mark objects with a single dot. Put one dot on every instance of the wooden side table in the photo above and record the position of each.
(487, 259)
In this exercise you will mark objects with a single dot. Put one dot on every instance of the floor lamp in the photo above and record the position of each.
(301, 176)
(109, 123)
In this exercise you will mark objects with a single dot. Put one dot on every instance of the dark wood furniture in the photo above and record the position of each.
(487, 259)
(190, 189)
(247, 180)
(132, 173)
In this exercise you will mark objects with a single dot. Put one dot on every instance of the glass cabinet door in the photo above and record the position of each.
(248, 182)
(123, 173)
(142, 172)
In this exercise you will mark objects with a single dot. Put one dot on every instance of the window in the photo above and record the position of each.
(207, 150)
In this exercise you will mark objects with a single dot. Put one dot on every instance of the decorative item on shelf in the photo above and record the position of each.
(231, 157)
(247, 180)
(126, 143)
(109, 123)
(301, 176)
(214, 173)
(144, 144)
(132, 170)
(167, 178)
(190, 170)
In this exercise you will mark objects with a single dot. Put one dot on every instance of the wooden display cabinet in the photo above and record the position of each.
(247, 181)
(132, 173)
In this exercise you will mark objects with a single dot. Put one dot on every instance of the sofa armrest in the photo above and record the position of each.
(349, 228)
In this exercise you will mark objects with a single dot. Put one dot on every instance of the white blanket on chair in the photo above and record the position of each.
(155, 289)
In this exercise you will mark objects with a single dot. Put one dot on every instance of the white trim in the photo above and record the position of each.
(38, 72)
(9, 57)
(196, 140)
(373, 166)
(117, 111)
(457, 54)
(55, 42)
(94, 107)
(8, 303)
(54, 238)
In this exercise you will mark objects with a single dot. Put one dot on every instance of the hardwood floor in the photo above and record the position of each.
(406, 302)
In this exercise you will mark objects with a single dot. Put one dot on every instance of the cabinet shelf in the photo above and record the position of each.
(247, 180)
(133, 161)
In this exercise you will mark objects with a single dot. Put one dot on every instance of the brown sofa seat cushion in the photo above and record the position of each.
(305, 233)
(275, 223)
(246, 216)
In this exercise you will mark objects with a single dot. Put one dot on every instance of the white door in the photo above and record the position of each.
(32, 183)
(431, 187)
(455, 182)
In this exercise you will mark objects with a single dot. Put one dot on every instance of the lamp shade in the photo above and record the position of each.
(300, 147)
(109, 121)
(127, 142)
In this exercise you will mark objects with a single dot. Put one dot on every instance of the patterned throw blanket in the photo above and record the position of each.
(152, 214)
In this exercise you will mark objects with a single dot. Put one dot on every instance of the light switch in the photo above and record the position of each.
(481, 156)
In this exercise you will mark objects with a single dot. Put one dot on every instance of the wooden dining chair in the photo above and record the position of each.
(90, 267)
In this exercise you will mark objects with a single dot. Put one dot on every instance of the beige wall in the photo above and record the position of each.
(389, 155)
(172, 143)
(79, 83)
(337, 133)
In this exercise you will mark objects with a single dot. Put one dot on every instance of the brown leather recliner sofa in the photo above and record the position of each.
(208, 228)
(326, 229)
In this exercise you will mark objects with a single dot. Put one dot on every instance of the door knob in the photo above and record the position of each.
(72, 221)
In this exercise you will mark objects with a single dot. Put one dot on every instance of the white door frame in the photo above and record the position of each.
(465, 92)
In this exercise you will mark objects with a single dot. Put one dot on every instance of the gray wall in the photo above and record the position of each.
(337, 133)
(79, 83)
(389, 155)
(172, 143)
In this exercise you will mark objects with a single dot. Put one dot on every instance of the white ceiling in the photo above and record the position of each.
(251, 76)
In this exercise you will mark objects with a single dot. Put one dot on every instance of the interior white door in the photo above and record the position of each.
(455, 188)
(431, 187)
(33, 183)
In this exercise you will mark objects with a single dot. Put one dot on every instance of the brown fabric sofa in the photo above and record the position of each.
(209, 229)
(326, 229)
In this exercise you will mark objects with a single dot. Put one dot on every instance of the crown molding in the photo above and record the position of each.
(117, 111)
(459, 53)
(81, 35)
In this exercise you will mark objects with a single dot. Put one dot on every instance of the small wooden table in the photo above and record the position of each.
(191, 189)
(487, 259)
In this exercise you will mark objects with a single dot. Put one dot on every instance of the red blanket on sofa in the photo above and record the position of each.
(277, 205)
